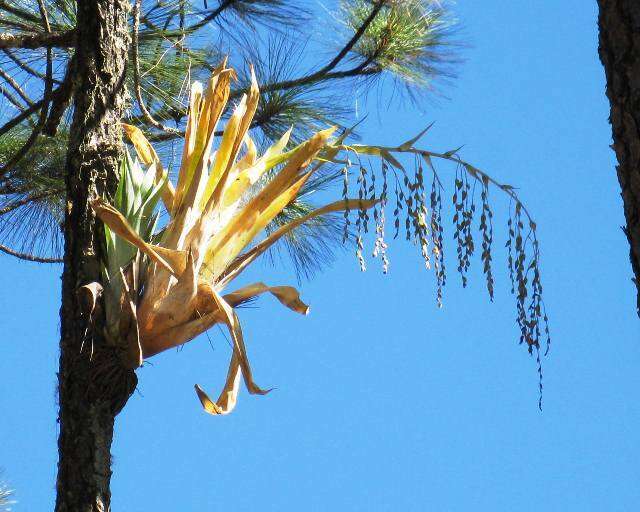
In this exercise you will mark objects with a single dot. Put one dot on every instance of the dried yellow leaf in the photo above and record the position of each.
(229, 396)
(119, 225)
(287, 295)
(233, 324)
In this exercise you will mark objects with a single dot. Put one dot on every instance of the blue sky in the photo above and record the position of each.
(382, 401)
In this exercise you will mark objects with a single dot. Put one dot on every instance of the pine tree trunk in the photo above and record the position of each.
(619, 23)
(93, 386)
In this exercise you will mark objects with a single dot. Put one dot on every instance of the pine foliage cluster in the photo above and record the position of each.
(176, 42)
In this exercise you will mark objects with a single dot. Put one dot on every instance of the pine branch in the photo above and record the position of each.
(25, 15)
(315, 78)
(136, 75)
(61, 99)
(262, 10)
(354, 40)
(12, 99)
(25, 67)
(32, 195)
(15, 86)
(32, 41)
(210, 17)
(411, 40)
(26, 200)
(46, 99)
(62, 91)
(28, 256)
(325, 74)
(15, 121)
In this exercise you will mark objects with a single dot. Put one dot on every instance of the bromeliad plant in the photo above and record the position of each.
(163, 287)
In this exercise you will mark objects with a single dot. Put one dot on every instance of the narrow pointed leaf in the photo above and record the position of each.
(148, 155)
(409, 144)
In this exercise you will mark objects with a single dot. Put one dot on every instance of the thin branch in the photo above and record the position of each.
(16, 86)
(324, 74)
(182, 15)
(360, 70)
(12, 99)
(19, 25)
(210, 17)
(136, 74)
(26, 200)
(314, 78)
(25, 67)
(354, 40)
(28, 257)
(32, 41)
(25, 15)
(12, 123)
(61, 99)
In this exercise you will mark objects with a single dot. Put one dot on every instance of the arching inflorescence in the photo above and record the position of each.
(163, 285)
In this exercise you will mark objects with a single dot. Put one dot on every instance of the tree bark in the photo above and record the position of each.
(93, 384)
(619, 49)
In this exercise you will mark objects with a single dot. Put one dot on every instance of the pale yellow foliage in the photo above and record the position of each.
(212, 223)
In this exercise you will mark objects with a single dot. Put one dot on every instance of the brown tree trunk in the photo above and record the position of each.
(93, 386)
(619, 23)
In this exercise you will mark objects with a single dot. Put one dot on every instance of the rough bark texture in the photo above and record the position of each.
(619, 23)
(93, 386)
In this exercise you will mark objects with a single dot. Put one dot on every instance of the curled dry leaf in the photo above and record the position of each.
(228, 396)
(239, 350)
(287, 295)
